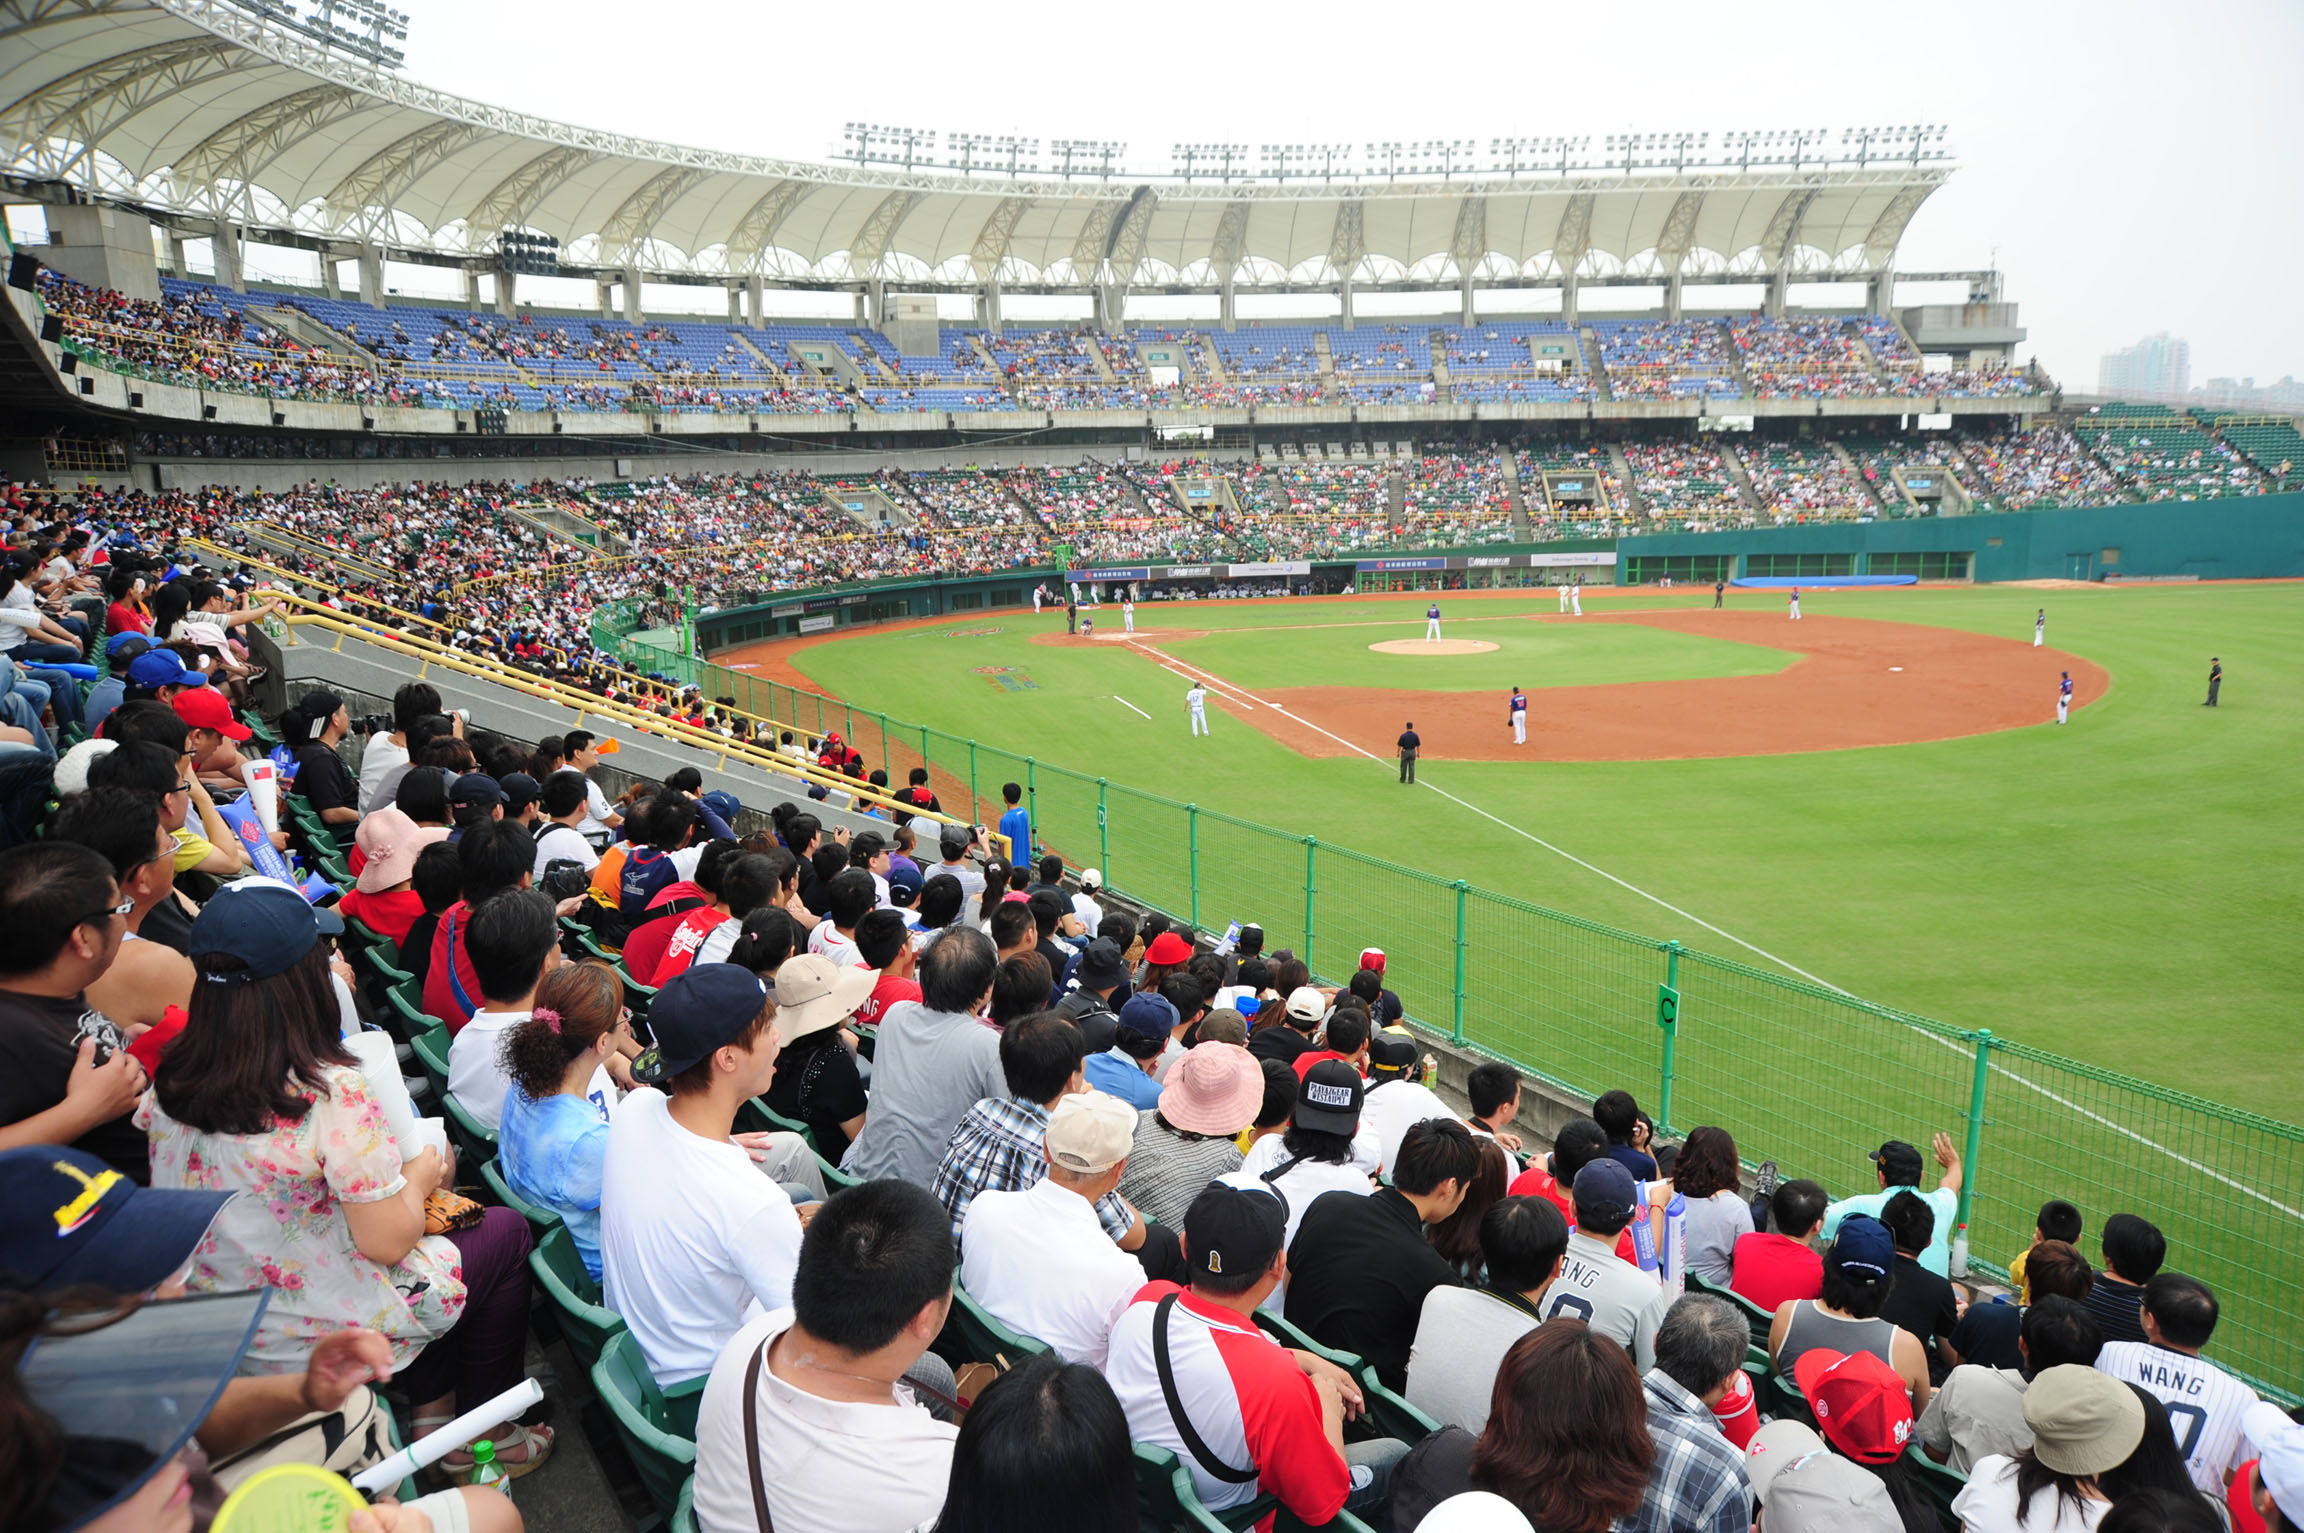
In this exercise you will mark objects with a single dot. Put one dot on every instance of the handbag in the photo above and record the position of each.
(354, 1436)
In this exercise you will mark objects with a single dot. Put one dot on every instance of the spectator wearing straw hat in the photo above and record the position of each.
(1188, 1139)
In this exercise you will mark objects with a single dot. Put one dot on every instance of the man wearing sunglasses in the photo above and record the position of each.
(70, 1079)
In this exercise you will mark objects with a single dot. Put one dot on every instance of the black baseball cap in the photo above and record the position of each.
(955, 838)
(68, 1218)
(520, 790)
(1899, 1163)
(1390, 1054)
(1230, 1230)
(262, 922)
(1329, 1100)
(476, 790)
(706, 1007)
(1101, 965)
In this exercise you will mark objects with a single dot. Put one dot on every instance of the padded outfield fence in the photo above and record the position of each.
(1804, 1075)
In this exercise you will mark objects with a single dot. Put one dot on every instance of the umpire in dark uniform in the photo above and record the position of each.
(2215, 680)
(1409, 743)
(1719, 589)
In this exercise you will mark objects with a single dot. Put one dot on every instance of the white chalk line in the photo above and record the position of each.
(2031, 1085)
(1131, 707)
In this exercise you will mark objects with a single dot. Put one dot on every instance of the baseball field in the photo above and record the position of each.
(1875, 797)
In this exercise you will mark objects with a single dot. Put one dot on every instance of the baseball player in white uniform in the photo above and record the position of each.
(1039, 593)
(1128, 614)
(1432, 624)
(1519, 717)
(1576, 598)
(1197, 701)
(1795, 604)
(1564, 589)
(2040, 629)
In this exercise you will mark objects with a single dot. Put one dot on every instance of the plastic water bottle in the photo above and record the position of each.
(1960, 1252)
(485, 1469)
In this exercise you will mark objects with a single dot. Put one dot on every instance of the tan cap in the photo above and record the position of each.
(813, 993)
(1090, 1131)
(2083, 1422)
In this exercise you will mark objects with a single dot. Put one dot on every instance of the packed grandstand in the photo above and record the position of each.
(1011, 1200)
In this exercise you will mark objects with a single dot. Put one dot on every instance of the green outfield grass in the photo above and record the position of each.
(2124, 891)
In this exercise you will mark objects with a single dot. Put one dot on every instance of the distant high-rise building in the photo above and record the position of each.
(2156, 367)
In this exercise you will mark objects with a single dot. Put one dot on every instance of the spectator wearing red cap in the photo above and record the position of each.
(1863, 1411)
(384, 897)
(1163, 955)
(214, 734)
(1384, 1005)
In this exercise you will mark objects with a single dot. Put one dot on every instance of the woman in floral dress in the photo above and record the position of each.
(259, 1096)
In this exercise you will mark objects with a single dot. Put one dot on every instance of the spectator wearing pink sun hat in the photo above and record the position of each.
(1188, 1140)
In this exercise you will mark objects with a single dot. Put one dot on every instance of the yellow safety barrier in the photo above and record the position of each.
(428, 654)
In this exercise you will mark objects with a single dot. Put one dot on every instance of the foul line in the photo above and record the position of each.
(2031, 1085)
(1131, 707)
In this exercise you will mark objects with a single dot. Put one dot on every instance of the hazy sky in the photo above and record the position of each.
(2135, 166)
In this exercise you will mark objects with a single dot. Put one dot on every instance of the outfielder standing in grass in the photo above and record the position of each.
(1197, 700)
(1519, 717)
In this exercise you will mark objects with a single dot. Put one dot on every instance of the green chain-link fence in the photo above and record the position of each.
(1800, 1074)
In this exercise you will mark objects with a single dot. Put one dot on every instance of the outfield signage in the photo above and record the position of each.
(817, 624)
(1600, 558)
(1593, 560)
(1434, 563)
(1193, 571)
(788, 609)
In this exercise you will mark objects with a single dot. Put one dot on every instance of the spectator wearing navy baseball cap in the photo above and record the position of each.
(691, 1231)
(1859, 1270)
(1125, 1069)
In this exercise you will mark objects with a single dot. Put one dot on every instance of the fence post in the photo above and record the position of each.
(971, 779)
(1103, 836)
(1311, 859)
(1668, 1018)
(1982, 1038)
(1031, 809)
(925, 762)
(884, 743)
(1192, 838)
(1456, 1024)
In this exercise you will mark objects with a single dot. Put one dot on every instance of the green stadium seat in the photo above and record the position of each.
(1938, 1482)
(404, 1013)
(585, 1320)
(1388, 1414)
(475, 1142)
(973, 1335)
(542, 1221)
(431, 1049)
(1754, 1316)
(644, 1422)
(367, 936)
(378, 962)
(684, 1515)
(1165, 1496)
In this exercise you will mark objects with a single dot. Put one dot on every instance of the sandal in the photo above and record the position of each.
(518, 1451)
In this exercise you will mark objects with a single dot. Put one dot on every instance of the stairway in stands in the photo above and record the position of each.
(1330, 390)
(1738, 472)
(1603, 389)
(1744, 387)
(1522, 530)
(1622, 465)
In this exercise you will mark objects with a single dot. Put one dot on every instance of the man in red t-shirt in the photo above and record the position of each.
(1771, 1268)
(1347, 1039)
(884, 942)
(496, 855)
(1580, 1140)
(1251, 1418)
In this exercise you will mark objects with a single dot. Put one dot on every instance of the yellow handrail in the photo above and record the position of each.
(585, 704)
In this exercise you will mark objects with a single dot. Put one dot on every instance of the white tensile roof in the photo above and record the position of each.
(193, 107)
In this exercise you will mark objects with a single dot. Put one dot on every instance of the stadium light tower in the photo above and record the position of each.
(1086, 157)
(1444, 157)
(993, 154)
(1745, 148)
(1213, 162)
(869, 143)
(1301, 162)
(1513, 155)
(1629, 152)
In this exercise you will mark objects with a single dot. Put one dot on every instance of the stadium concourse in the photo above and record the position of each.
(781, 1142)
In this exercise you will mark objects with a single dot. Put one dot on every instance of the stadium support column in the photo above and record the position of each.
(875, 303)
(1567, 299)
(224, 243)
(631, 286)
(755, 300)
(600, 287)
(370, 257)
(1672, 298)
(1778, 281)
(1464, 294)
(863, 308)
(329, 287)
(1344, 299)
(1227, 313)
(176, 257)
(507, 294)
(735, 302)
(988, 305)
(471, 290)
(1880, 292)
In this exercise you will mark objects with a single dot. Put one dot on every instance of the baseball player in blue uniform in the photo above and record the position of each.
(1432, 624)
(2064, 697)
(1519, 717)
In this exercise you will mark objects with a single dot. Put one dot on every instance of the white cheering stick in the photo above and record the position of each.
(434, 1446)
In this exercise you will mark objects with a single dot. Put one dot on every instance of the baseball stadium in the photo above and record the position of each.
(1691, 668)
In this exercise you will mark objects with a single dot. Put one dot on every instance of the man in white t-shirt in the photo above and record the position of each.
(693, 1237)
(567, 806)
(841, 1442)
(601, 821)
(1039, 1260)
(513, 940)
(848, 898)
(1398, 1099)
(2204, 1402)
(1084, 903)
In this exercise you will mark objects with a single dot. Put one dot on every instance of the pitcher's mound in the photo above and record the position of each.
(1433, 647)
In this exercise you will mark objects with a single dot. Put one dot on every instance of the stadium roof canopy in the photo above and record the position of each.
(199, 109)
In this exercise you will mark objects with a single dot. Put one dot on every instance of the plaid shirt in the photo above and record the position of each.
(1698, 1484)
(998, 1148)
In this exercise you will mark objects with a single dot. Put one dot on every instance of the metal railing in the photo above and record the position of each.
(1807, 1076)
